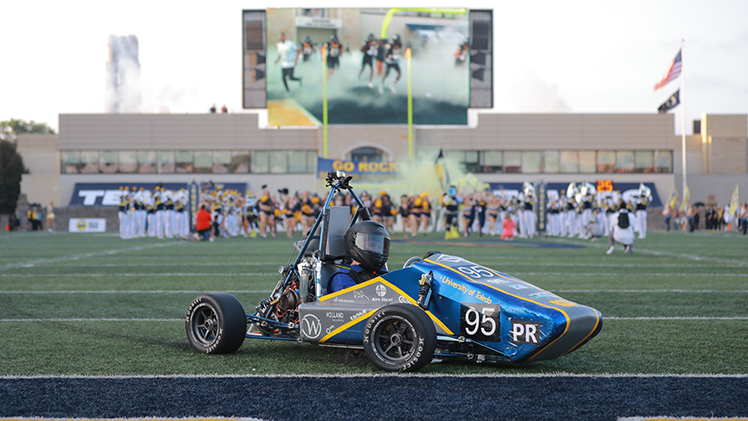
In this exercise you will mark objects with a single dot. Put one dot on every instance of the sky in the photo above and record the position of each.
(550, 56)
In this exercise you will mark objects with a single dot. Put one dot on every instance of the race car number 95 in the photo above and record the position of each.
(476, 271)
(480, 323)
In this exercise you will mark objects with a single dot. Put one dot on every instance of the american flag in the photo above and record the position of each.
(672, 72)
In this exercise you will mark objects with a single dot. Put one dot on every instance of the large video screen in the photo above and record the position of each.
(359, 56)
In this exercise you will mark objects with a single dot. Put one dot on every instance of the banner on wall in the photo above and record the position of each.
(355, 168)
(87, 225)
(108, 194)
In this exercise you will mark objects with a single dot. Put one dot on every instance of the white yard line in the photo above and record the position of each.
(88, 275)
(624, 291)
(130, 319)
(675, 318)
(572, 274)
(370, 375)
(136, 292)
(98, 319)
(698, 291)
(80, 256)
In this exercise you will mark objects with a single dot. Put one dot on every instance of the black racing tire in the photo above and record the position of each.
(399, 337)
(216, 323)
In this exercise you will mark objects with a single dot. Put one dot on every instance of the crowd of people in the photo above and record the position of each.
(225, 213)
(716, 218)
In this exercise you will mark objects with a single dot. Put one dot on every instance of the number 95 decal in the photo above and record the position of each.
(480, 323)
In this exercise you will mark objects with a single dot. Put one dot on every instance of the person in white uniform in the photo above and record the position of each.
(622, 224)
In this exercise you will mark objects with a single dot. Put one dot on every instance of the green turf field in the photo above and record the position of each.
(82, 304)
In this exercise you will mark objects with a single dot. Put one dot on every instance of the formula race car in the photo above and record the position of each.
(436, 306)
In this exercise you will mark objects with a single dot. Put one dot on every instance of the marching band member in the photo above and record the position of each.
(527, 216)
(169, 216)
(645, 196)
(122, 214)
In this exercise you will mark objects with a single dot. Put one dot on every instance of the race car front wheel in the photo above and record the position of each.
(216, 323)
(399, 337)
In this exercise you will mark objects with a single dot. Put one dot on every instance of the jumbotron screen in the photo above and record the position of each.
(355, 64)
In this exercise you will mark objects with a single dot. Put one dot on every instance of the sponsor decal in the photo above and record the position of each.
(357, 315)
(525, 332)
(541, 294)
(563, 303)
(402, 300)
(311, 327)
(336, 316)
(330, 329)
(519, 286)
(480, 322)
(87, 225)
(381, 290)
(448, 258)
(358, 294)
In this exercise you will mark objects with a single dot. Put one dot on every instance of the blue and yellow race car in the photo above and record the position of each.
(436, 306)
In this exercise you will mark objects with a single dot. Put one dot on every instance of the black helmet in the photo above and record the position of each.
(368, 243)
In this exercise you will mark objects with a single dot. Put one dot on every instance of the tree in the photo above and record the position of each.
(9, 130)
(11, 170)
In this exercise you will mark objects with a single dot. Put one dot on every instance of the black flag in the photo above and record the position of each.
(671, 103)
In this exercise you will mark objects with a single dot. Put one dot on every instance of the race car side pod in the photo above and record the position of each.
(424, 294)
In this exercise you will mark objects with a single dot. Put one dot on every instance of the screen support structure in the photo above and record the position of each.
(385, 25)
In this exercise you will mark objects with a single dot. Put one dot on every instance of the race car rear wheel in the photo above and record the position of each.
(399, 337)
(216, 323)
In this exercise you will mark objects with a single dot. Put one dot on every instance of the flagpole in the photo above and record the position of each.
(683, 109)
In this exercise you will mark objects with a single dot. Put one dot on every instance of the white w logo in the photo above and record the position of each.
(311, 326)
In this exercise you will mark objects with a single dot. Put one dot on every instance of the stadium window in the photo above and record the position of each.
(89, 162)
(367, 154)
(240, 162)
(259, 161)
(663, 161)
(624, 161)
(108, 162)
(297, 162)
(493, 162)
(530, 162)
(457, 156)
(71, 162)
(278, 162)
(202, 162)
(512, 162)
(128, 162)
(569, 162)
(311, 161)
(166, 162)
(183, 162)
(643, 161)
(549, 162)
(146, 162)
(587, 162)
(606, 162)
(472, 161)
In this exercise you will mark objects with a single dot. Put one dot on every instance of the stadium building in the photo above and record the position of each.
(126, 149)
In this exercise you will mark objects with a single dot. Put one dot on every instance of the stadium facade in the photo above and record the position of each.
(128, 149)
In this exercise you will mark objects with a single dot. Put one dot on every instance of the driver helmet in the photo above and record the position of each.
(368, 243)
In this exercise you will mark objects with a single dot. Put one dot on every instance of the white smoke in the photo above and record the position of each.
(123, 90)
